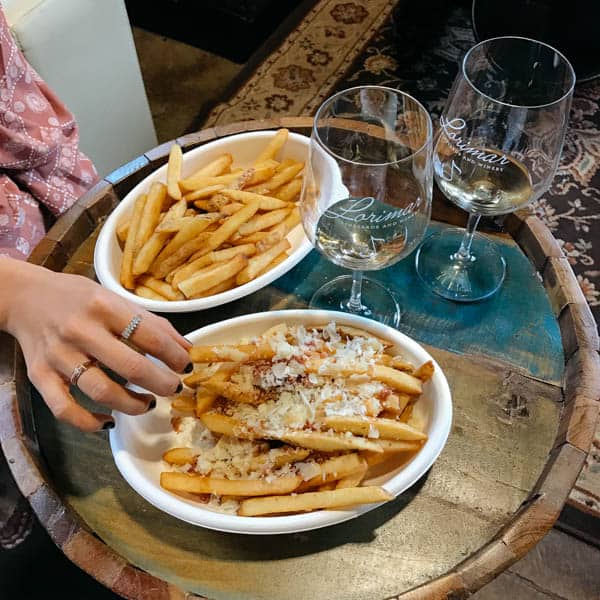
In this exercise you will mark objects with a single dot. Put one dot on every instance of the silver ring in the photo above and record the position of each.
(79, 370)
(131, 327)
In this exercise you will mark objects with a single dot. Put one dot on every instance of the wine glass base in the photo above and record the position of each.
(378, 303)
(455, 279)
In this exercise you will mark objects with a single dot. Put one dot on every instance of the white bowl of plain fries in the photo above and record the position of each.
(211, 226)
(291, 421)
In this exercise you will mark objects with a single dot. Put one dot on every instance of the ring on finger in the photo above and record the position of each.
(131, 327)
(79, 370)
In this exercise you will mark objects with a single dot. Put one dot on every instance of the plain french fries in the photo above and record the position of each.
(232, 207)
(213, 275)
(192, 184)
(264, 202)
(206, 192)
(173, 225)
(126, 276)
(236, 206)
(277, 233)
(255, 175)
(313, 501)
(161, 268)
(276, 261)
(289, 191)
(161, 287)
(274, 146)
(280, 178)
(213, 204)
(257, 263)
(150, 215)
(174, 171)
(253, 238)
(231, 225)
(189, 232)
(224, 286)
(122, 229)
(187, 270)
(218, 166)
(145, 292)
(149, 251)
(263, 221)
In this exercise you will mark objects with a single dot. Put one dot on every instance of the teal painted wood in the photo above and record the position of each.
(516, 325)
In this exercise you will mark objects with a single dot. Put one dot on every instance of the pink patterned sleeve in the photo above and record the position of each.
(40, 162)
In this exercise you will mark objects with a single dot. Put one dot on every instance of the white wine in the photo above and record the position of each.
(366, 234)
(481, 180)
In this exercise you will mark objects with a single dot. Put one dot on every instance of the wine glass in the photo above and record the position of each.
(366, 198)
(497, 149)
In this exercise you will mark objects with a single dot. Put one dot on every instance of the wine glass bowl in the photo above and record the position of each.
(371, 149)
(496, 150)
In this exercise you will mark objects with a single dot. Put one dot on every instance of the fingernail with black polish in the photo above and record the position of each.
(179, 388)
(189, 368)
(108, 425)
(151, 404)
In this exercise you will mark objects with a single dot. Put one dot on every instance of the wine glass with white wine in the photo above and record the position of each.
(497, 149)
(366, 198)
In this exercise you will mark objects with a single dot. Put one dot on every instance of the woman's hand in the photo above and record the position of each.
(62, 321)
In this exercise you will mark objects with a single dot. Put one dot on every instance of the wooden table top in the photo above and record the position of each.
(523, 371)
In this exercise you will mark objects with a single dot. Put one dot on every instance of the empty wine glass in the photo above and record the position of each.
(366, 198)
(497, 148)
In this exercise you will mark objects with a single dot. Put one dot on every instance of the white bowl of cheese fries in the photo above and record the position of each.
(291, 421)
(211, 226)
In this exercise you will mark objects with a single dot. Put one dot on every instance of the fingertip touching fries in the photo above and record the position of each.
(292, 420)
(177, 223)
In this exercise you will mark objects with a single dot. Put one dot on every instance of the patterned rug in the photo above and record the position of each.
(342, 44)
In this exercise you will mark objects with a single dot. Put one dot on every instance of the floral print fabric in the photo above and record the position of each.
(41, 167)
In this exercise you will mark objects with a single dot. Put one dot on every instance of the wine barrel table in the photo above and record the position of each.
(524, 372)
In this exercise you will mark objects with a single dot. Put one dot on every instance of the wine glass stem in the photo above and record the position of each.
(464, 252)
(355, 303)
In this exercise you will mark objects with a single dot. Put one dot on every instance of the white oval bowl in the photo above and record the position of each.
(244, 147)
(138, 442)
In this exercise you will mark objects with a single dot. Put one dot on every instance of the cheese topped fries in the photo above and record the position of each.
(292, 420)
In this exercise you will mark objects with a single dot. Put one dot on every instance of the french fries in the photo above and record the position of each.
(338, 498)
(214, 229)
(287, 432)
